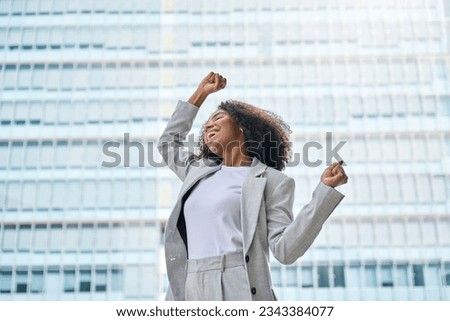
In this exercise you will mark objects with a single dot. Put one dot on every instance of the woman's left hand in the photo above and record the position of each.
(334, 175)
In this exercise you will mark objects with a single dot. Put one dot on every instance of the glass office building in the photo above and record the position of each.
(86, 88)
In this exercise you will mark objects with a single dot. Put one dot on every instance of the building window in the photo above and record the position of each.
(21, 281)
(402, 278)
(386, 276)
(370, 275)
(85, 281)
(339, 276)
(291, 276)
(37, 281)
(418, 275)
(307, 277)
(100, 280)
(69, 280)
(447, 274)
(116, 280)
(276, 275)
(5, 281)
(323, 276)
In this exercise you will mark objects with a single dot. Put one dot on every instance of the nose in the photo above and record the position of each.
(208, 125)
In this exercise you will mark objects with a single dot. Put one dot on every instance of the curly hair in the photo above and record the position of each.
(266, 135)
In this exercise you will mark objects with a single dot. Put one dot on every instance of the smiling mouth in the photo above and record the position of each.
(211, 135)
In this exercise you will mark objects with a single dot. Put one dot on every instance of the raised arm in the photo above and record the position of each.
(170, 144)
(290, 238)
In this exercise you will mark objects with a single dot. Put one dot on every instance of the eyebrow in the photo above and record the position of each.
(216, 113)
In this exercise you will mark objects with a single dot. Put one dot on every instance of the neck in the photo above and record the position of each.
(236, 157)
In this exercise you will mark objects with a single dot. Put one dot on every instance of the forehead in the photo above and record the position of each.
(217, 113)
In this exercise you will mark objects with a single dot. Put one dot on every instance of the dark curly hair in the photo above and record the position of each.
(266, 135)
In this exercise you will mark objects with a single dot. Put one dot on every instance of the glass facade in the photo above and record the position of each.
(87, 87)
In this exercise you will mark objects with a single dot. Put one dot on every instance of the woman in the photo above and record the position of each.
(235, 203)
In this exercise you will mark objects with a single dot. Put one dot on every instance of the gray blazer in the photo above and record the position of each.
(266, 212)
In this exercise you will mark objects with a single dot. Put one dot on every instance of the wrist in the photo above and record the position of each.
(198, 97)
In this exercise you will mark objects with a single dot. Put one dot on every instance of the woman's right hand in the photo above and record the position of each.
(213, 82)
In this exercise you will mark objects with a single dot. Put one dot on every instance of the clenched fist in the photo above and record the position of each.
(213, 82)
(334, 175)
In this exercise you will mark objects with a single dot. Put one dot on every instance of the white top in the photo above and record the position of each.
(213, 213)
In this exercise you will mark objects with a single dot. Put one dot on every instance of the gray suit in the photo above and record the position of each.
(266, 212)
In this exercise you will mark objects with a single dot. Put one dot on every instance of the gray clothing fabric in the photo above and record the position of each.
(212, 214)
(217, 278)
(267, 218)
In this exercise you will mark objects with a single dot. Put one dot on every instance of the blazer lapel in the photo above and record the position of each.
(251, 198)
(197, 174)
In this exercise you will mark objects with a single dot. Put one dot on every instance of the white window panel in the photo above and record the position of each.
(119, 193)
(87, 237)
(47, 157)
(420, 150)
(378, 189)
(46, 5)
(4, 151)
(408, 189)
(59, 194)
(134, 193)
(29, 194)
(38, 77)
(71, 237)
(404, 148)
(335, 232)
(15, 36)
(150, 236)
(21, 110)
(53, 77)
(102, 237)
(398, 234)
(424, 191)
(42, 36)
(397, 73)
(89, 194)
(76, 154)
(374, 148)
(133, 236)
(24, 239)
(149, 188)
(13, 197)
(125, 36)
(367, 232)
(351, 233)
(118, 237)
(413, 232)
(382, 233)
(363, 195)
(7, 110)
(75, 194)
(443, 227)
(61, 152)
(56, 237)
(106, 195)
(10, 77)
(44, 194)
(40, 239)
(132, 281)
(434, 149)
(67, 77)
(9, 238)
(80, 77)
(32, 154)
(150, 277)
(50, 112)
(440, 192)
(429, 232)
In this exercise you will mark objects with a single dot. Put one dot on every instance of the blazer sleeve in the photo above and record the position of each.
(290, 237)
(170, 144)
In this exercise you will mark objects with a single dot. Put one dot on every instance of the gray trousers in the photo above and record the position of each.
(217, 278)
